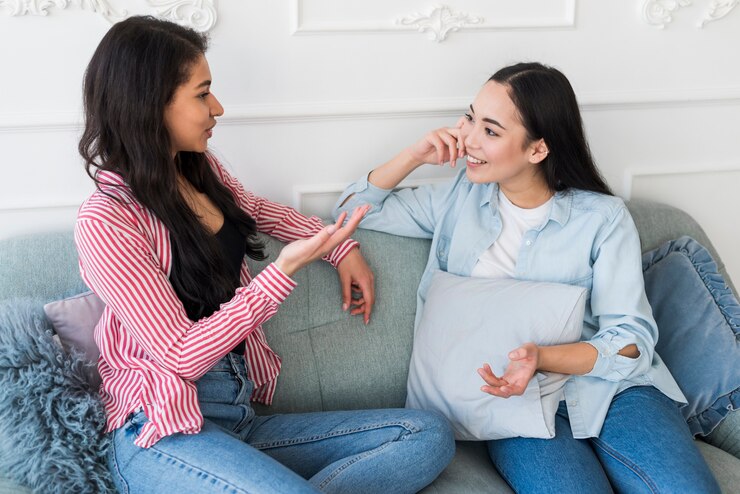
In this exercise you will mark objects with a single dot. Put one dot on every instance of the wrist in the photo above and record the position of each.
(408, 161)
(288, 268)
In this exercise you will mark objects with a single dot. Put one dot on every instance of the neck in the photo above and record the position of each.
(528, 197)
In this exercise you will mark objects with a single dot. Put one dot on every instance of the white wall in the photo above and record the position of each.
(317, 92)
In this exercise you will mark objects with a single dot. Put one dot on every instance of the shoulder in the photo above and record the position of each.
(593, 203)
(113, 207)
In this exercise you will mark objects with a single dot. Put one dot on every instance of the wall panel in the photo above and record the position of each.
(317, 92)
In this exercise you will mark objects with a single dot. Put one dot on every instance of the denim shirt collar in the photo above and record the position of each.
(560, 211)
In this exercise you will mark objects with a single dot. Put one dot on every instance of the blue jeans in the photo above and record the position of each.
(379, 451)
(644, 446)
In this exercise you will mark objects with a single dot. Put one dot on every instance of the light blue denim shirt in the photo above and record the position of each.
(588, 239)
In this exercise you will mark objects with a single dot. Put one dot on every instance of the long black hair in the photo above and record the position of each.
(129, 82)
(548, 109)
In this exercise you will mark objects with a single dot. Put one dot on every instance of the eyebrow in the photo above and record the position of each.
(489, 120)
(205, 83)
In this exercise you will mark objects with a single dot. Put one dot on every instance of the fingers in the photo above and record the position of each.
(446, 142)
(366, 288)
(501, 392)
(339, 233)
(353, 222)
(489, 377)
(461, 151)
(346, 283)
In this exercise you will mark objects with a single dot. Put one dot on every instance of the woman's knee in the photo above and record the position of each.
(435, 430)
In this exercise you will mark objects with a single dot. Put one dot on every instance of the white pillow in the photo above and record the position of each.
(467, 322)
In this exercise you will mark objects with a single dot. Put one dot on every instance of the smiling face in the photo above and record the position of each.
(191, 115)
(497, 144)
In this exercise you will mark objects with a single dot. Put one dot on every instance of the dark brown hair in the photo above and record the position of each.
(548, 109)
(129, 82)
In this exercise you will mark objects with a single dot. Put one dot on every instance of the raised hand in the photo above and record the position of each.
(440, 145)
(523, 363)
(298, 254)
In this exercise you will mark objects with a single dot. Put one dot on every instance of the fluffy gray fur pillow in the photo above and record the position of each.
(51, 420)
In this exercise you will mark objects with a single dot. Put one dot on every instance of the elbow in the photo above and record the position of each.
(630, 351)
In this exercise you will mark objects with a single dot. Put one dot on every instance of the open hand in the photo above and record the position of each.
(298, 254)
(523, 363)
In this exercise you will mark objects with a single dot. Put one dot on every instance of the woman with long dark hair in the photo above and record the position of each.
(531, 205)
(163, 241)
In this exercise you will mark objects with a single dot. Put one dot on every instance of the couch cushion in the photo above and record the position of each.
(659, 223)
(41, 266)
(335, 345)
(693, 306)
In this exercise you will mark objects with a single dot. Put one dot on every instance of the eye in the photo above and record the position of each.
(469, 117)
(491, 132)
(203, 95)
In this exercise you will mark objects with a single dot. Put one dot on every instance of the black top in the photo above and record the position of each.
(233, 246)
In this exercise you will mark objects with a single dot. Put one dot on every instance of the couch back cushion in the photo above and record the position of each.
(330, 360)
(39, 266)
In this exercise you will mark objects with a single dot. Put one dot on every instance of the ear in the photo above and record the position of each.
(538, 151)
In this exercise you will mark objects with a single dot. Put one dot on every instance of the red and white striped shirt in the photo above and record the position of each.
(151, 354)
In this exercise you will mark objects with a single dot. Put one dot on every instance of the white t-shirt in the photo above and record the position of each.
(499, 260)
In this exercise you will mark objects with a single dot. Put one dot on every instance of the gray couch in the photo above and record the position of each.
(332, 361)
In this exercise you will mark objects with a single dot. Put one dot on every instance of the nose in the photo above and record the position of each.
(216, 109)
(468, 135)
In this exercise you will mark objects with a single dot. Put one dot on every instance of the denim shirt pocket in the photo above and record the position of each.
(443, 251)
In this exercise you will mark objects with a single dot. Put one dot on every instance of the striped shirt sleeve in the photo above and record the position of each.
(118, 264)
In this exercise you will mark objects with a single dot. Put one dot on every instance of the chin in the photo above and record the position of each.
(476, 178)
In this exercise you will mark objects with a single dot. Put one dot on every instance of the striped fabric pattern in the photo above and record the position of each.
(150, 352)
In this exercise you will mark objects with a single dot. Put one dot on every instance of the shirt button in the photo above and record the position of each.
(528, 242)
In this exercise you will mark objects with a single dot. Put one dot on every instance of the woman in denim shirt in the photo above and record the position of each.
(618, 426)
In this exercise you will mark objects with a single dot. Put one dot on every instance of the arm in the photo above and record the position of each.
(277, 220)
(288, 225)
(408, 212)
(118, 263)
(624, 344)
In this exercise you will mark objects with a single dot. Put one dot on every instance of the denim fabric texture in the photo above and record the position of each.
(698, 319)
(373, 451)
(644, 447)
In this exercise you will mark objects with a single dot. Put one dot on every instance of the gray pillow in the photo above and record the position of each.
(74, 320)
(470, 321)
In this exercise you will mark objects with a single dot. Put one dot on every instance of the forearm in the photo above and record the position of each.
(390, 174)
(574, 358)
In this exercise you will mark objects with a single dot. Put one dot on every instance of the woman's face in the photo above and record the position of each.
(496, 142)
(191, 115)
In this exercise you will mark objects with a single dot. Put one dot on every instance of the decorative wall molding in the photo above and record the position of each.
(717, 10)
(659, 13)
(437, 20)
(631, 174)
(42, 206)
(41, 7)
(386, 109)
(200, 15)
